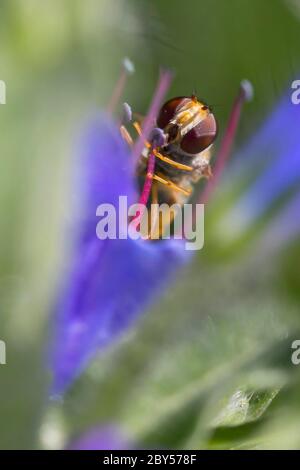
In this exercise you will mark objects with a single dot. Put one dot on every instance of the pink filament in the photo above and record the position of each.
(164, 81)
(225, 148)
(226, 145)
(147, 186)
(148, 180)
(117, 93)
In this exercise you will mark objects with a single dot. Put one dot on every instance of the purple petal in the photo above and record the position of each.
(273, 154)
(103, 172)
(270, 141)
(284, 228)
(101, 438)
(111, 282)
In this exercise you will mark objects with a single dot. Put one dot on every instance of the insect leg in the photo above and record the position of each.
(171, 185)
(171, 162)
(165, 159)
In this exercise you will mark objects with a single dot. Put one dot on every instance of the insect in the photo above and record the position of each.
(186, 129)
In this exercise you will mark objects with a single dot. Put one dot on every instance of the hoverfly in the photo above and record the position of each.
(187, 129)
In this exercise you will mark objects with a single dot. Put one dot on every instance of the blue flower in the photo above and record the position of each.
(269, 166)
(112, 281)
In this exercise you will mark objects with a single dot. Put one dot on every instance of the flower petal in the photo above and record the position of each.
(270, 141)
(284, 228)
(111, 281)
(103, 172)
(273, 156)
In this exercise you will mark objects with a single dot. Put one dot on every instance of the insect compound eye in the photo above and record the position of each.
(169, 110)
(201, 136)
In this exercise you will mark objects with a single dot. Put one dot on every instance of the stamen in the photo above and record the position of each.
(154, 145)
(144, 197)
(157, 137)
(162, 87)
(148, 180)
(245, 94)
(126, 118)
(127, 113)
(164, 81)
(127, 69)
(128, 65)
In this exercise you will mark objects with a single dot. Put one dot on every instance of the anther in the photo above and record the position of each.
(128, 65)
(247, 88)
(162, 86)
(157, 137)
(127, 113)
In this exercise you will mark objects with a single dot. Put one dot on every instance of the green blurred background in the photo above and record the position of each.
(204, 367)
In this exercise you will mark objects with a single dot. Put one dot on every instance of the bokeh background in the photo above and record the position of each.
(209, 366)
